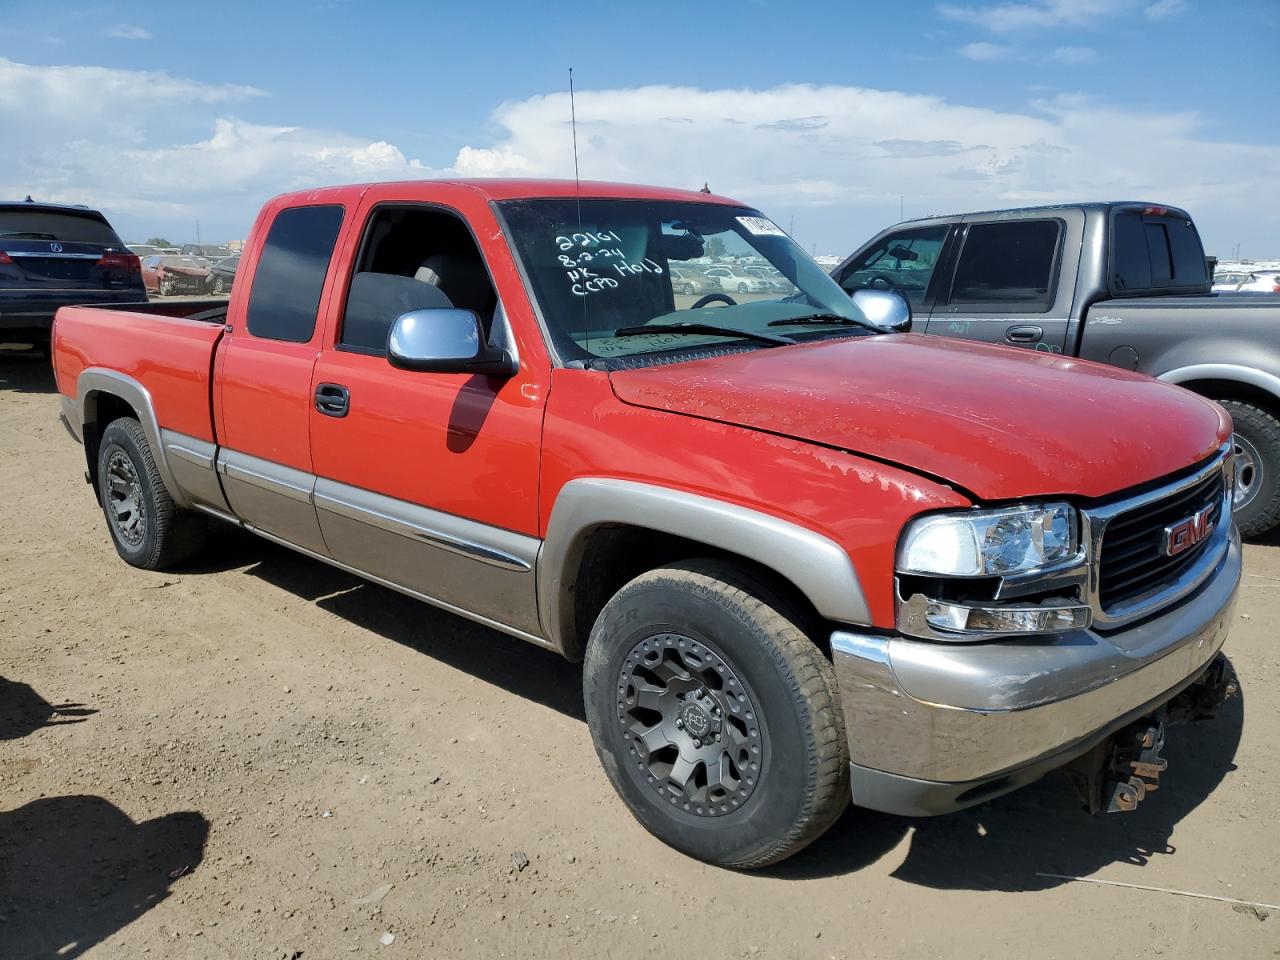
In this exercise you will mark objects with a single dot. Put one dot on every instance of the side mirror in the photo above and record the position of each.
(885, 308)
(445, 340)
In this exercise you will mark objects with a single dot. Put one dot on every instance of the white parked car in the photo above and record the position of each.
(1228, 280)
(1261, 281)
(774, 278)
(737, 280)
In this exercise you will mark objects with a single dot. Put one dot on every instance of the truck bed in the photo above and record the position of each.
(1229, 300)
(1160, 335)
(166, 347)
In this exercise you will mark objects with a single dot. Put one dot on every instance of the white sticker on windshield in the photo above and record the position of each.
(761, 226)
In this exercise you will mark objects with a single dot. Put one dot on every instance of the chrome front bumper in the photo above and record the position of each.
(935, 727)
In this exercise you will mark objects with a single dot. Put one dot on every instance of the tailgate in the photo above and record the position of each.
(54, 265)
(170, 356)
(44, 249)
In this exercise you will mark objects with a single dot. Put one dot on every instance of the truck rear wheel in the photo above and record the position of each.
(1257, 454)
(148, 529)
(716, 718)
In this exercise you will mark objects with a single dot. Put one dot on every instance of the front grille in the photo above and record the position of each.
(1132, 559)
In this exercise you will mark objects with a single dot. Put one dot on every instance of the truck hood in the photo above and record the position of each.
(997, 422)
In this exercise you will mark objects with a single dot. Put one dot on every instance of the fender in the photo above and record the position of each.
(1225, 371)
(94, 381)
(816, 564)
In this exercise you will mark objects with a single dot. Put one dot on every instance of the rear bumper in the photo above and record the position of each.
(34, 311)
(935, 727)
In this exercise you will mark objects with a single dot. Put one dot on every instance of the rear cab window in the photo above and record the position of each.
(1154, 249)
(291, 271)
(1008, 265)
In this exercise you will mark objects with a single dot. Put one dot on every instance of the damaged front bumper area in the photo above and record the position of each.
(936, 727)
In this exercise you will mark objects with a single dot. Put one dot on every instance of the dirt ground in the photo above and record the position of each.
(261, 757)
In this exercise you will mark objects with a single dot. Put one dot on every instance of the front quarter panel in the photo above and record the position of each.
(858, 505)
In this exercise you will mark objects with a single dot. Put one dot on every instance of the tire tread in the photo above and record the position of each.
(809, 675)
(179, 533)
(1263, 429)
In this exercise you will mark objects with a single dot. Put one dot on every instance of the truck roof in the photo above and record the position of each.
(521, 189)
(1098, 205)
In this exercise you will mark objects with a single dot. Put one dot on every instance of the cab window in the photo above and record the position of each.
(413, 258)
(1010, 262)
(903, 261)
(1155, 251)
(291, 270)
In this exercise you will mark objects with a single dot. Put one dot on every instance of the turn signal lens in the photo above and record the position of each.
(960, 618)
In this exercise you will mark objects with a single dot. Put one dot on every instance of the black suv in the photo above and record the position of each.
(53, 255)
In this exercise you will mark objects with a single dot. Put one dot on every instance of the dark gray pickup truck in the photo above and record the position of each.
(1119, 283)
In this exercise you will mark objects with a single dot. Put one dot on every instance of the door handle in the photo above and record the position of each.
(1027, 333)
(333, 399)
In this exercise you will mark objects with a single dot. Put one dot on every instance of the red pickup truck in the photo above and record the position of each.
(806, 557)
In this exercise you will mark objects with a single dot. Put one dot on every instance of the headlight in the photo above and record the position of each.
(987, 543)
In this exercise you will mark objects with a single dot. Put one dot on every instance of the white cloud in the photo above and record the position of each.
(835, 157)
(1037, 15)
(127, 31)
(1074, 56)
(839, 157)
(983, 51)
(75, 134)
(1164, 9)
(79, 95)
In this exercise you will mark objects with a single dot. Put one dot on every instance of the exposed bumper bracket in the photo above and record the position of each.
(1136, 765)
(1117, 774)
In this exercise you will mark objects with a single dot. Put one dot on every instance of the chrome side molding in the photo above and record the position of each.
(478, 541)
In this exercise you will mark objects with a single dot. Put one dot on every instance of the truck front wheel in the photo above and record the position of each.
(716, 718)
(148, 529)
(1256, 498)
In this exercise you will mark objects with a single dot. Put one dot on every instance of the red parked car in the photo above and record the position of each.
(805, 557)
(168, 274)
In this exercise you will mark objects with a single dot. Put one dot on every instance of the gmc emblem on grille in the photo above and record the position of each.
(1185, 534)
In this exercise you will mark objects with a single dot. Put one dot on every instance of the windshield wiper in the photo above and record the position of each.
(704, 329)
(826, 319)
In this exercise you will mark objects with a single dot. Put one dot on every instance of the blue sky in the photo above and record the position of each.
(819, 113)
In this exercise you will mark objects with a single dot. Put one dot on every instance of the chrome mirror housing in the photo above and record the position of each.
(445, 340)
(885, 308)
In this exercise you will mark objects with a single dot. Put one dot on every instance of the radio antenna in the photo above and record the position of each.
(577, 191)
(573, 124)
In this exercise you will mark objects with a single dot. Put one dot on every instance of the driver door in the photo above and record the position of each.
(426, 481)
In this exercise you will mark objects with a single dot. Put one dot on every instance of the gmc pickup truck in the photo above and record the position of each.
(1119, 283)
(804, 558)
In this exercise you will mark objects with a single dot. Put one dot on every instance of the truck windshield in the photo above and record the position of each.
(623, 264)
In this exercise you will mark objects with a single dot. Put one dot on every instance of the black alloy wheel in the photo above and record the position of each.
(715, 716)
(694, 729)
